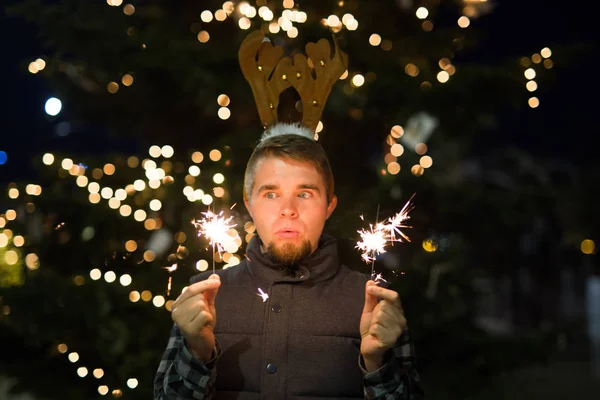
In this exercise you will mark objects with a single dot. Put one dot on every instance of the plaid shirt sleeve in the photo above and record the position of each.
(397, 378)
(180, 376)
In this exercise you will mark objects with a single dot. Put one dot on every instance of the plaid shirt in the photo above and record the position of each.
(181, 377)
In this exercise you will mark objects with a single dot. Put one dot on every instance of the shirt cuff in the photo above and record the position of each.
(186, 356)
(387, 374)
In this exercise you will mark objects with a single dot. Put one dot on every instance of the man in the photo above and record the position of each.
(325, 331)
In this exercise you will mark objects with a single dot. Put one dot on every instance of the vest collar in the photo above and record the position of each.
(321, 265)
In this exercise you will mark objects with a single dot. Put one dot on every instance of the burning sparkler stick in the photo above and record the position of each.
(261, 293)
(377, 237)
(215, 228)
(170, 269)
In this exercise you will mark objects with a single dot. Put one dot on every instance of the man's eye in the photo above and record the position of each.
(270, 195)
(304, 195)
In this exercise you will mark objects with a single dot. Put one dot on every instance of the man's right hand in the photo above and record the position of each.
(195, 315)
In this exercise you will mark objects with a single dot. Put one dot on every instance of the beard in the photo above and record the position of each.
(289, 255)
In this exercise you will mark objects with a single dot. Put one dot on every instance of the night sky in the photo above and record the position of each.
(563, 126)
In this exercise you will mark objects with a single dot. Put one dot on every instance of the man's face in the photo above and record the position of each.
(289, 207)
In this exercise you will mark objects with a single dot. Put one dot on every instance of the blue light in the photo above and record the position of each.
(3, 157)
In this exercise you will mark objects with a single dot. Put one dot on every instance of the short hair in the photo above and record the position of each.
(290, 147)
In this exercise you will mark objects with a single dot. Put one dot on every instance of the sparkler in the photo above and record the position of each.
(265, 296)
(170, 269)
(215, 227)
(377, 237)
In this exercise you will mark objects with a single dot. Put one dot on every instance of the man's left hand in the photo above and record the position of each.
(381, 324)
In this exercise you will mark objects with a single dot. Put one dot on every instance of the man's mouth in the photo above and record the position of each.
(287, 233)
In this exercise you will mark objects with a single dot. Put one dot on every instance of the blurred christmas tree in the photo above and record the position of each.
(92, 253)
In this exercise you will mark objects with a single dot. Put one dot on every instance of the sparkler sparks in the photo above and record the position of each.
(265, 296)
(377, 237)
(215, 227)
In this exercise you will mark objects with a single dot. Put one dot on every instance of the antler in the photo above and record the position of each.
(269, 75)
(258, 58)
(314, 91)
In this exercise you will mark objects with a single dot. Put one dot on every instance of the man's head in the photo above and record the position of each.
(288, 191)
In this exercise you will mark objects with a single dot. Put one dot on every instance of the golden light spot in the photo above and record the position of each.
(531, 86)
(389, 157)
(374, 40)
(422, 13)
(48, 159)
(529, 73)
(358, 80)
(103, 390)
(443, 76)
(411, 70)
(149, 256)
(464, 22)
(127, 80)
(82, 372)
(10, 215)
(588, 246)
(420, 148)
(95, 274)
(417, 170)
(146, 295)
(426, 161)
(2, 222)
(224, 113)
(129, 9)
(131, 246)
(150, 224)
(134, 296)
(133, 162)
(109, 169)
(536, 58)
(98, 373)
(292, 32)
(32, 261)
(112, 87)
(158, 301)
(427, 25)
(97, 173)
(125, 210)
(548, 63)
(125, 280)
(62, 348)
(546, 52)
(13, 193)
(11, 257)
(81, 181)
(223, 100)
(33, 68)
(397, 150)
(204, 36)
(78, 280)
(244, 23)
(533, 102)
(207, 199)
(73, 357)
(429, 246)
(18, 241)
(219, 192)
(215, 155)
(139, 215)
(386, 45)
(288, 3)
(66, 164)
(393, 168)
(197, 157)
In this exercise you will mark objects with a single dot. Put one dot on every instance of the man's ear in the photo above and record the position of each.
(247, 204)
(331, 206)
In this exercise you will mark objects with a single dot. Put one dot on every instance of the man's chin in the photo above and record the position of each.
(288, 252)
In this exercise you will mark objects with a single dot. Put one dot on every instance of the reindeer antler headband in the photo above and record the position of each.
(269, 74)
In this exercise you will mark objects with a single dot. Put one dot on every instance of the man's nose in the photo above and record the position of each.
(289, 209)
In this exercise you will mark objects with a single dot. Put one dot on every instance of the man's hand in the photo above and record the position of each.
(195, 315)
(381, 324)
